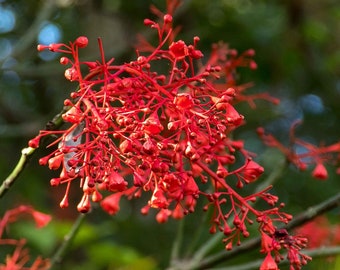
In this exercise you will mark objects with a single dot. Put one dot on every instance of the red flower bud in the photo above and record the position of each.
(55, 162)
(252, 171)
(64, 60)
(232, 115)
(64, 202)
(138, 180)
(178, 212)
(81, 42)
(163, 215)
(34, 143)
(71, 74)
(41, 47)
(167, 18)
(320, 172)
(149, 22)
(252, 65)
(84, 205)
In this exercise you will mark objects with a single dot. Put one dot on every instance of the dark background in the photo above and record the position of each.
(297, 52)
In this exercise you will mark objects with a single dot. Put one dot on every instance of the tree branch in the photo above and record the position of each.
(315, 253)
(26, 154)
(58, 255)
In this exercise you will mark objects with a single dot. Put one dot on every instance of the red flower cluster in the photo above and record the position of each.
(132, 129)
(274, 240)
(320, 232)
(312, 154)
(19, 259)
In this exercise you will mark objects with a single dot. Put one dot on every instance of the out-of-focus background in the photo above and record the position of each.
(297, 51)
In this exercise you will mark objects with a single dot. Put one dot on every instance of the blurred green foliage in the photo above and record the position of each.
(297, 45)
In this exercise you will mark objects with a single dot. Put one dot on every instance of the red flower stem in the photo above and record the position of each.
(172, 71)
(151, 56)
(230, 190)
(92, 108)
(156, 85)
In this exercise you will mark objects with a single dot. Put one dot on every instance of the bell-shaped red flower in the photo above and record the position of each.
(111, 203)
(269, 263)
(252, 171)
(41, 219)
(320, 172)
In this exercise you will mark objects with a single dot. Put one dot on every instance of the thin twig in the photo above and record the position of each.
(177, 242)
(59, 254)
(26, 154)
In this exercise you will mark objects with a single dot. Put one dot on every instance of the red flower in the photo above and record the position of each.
(269, 263)
(111, 203)
(115, 182)
(20, 256)
(266, 243)
(252, 171)
(163, 215)
(41, 219)
(132, 129)
(320, 232)
(316, 154)
(158, 200)
(232, 116)
(152, 125)
(178, 49)
(183, 101)
(320, 172)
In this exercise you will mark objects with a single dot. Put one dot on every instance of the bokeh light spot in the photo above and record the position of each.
(7, 20)
(311, 103)
(49, 33)
(5, 48)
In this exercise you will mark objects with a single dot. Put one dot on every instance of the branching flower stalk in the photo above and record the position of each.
(131, 129)
(312, 155)
(20, 257)
(171, 132)
(250, 244)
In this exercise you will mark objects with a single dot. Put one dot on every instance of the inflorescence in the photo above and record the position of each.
(132, 130)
